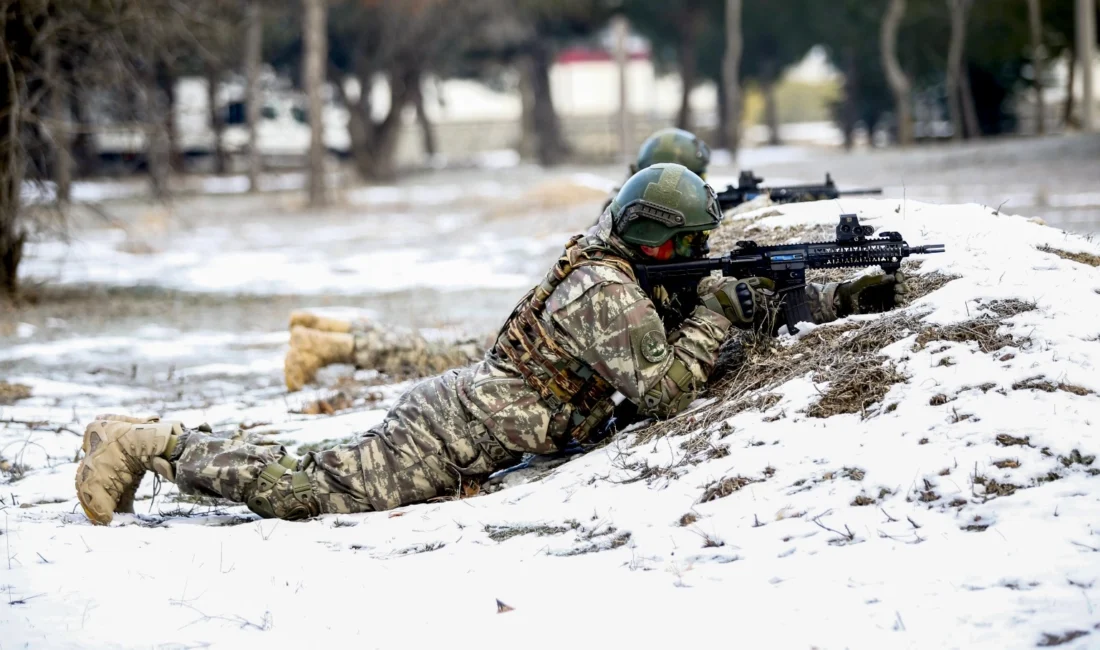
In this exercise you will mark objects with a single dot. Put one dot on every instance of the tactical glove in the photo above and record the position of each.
(741, 301)
(871, 294)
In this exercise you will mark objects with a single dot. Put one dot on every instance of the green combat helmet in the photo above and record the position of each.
(666, 209)
(674, 146)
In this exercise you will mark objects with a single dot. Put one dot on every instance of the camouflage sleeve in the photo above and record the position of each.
(615, 329)
(822, 299)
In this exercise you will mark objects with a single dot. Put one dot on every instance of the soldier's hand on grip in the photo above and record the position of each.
(741, 301)
(872, 294)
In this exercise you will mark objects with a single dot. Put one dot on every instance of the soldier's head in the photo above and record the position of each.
(665, 212)
(674, 146)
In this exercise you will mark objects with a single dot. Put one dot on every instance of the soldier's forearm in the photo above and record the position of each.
(823, 301)
(694, 351)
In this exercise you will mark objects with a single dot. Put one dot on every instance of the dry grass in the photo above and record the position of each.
(854, 385)
(12, 393)
(500, 533)
(1006, 440)
(1009, 308)
(341, 400)
(1080, 258)
(983, 331)
(846, 356)
(1038, 383)
(725, 487)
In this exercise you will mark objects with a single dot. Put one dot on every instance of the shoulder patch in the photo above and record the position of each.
(653, 346)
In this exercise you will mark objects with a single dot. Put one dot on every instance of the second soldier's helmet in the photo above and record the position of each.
(674, 146)
(667, 211)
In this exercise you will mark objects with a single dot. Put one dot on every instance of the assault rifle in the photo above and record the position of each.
(786, 264)
(748, 188)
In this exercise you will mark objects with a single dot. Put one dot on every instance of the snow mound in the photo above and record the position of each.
(924, 478)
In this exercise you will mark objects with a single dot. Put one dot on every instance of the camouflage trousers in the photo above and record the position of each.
(424, 448)
(403, 353)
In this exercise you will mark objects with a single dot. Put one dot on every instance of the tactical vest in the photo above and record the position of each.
(569, 386)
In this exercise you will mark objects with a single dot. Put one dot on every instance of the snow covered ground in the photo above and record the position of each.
(959, 510)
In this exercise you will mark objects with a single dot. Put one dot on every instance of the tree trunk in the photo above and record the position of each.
(1067, 111)
(12, 236)
(315, 37)
(373, 145)
(1035, 23)
(955, 66)
(158, 139)
(59, 127)
(970, 111)
(528, 139)
(721, 137)
(771, 107)
(688, 58)
(850, 109)
(427, 133)
(731, 69)
(165, 81)
(621, 30)
(253, 59)
(217, 120)
(550, 145)
(85, 156)
(899, 82)
(1086, 49)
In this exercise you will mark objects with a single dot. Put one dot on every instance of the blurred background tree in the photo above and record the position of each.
(88, 86)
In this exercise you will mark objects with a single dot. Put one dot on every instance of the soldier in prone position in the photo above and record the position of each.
(316, 341)
(586, 331)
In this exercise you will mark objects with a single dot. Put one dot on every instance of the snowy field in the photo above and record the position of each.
(958, 509)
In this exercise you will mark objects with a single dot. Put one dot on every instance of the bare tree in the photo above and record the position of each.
(217, 115)
(731, 65)
(1035, 23)
(899, 82)
(59, 129)
(688, 26)
(315, 39)
(959, 99)
(252, 61)
(1086, 50)
(954, 65)
(620, 28)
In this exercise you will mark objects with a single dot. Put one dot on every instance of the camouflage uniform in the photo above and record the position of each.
(402, 353)
(470, 422)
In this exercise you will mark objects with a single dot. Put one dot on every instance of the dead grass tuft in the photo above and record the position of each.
(725, 487)
(1007, 463)
(1077, 458)
(994, 487)
(925, 283)
(1009, 308)
(1007, 440)
(1080, 258)
(688, 519)
(500, 533)
(12, 393)
(1050, 640)
(854, 385)
(1038, 383)
(863, 500)
(983, 331)
(341, 400)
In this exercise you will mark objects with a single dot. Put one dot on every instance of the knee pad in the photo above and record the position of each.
(283, 494)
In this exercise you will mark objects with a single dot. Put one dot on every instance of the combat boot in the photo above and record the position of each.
(310, 350)
(118, 450)
(315, 322)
